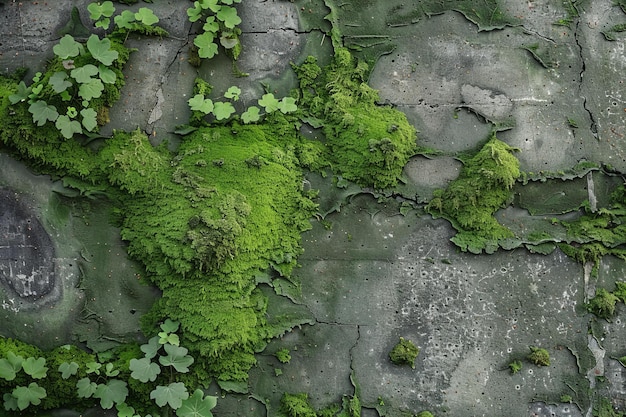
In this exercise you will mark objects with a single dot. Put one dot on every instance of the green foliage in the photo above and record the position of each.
(424, 414)
(369, 143)
(220, 21)
(469, 202)
(144, 370)
(602, 304)
(67, 47)
(172, 394)
(515, 366)
(197, 405)
(10, 366)
(297, 405)
(404, 353)
(111, 393)
(101, 50)
(100, 13)
(25, 396)
(35, 367)
(177, 358)
(68, 369)
(539, 356)
(283, 355)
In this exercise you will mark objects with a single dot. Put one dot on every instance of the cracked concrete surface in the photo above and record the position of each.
(372, 275)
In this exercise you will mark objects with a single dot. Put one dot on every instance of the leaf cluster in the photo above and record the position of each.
(219, 21)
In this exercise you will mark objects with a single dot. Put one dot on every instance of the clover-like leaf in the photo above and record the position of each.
(10, 366)
(287, 105)
(42, 112)
(151, 348)
(229, 40)
(10, 402)
(223, 110)
(67, 126)
(86, 388)
(197, 405)
(90, 119)
(171, 338)
(21, 94)
(71, 112)
(233, 92)
(251, 115)
(269, 103)
(67, 47)
(170, 326)
(103, 23)
(194, 13)
(173, 394)
(107, 75)
(110, 371)
(32, 394)
(114, 392)
(146, 16)
(176, 357)
(68, 369)
(92, 89)
(98, 10)
(124, 19)
(59, 82)
(211, 5)
(83, 74)
(229, 16)
(100, 49)
(93, 367)
(125, 410)
(144, 370)
(210, 25)
(201, 104)
(207, 48)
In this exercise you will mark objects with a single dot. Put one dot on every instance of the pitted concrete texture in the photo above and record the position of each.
(26, 251)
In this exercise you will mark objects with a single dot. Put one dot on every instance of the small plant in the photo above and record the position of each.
(283, 356)
(539, 356)
(515, 366)
(565, 398)
(220, 22)
(404, 353)
(602, 305)
(425, 414)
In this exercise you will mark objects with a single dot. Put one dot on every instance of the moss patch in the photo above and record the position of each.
(469, 202)
(367, 143)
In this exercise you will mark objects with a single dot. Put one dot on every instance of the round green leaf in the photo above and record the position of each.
(86, 388)
(287, 105)
(251, 115)
(32, 394)
(59, 82)
(83, 74)
(92, 89)
(67, 47)
(114, 392)
(42, 112)
(223, 110)
(67, 127)
(173, 394)
(90, 119)
(124, 19)
(146, 16)
(100, 49)
(229, 16)
(233, 92)
(144, 370)
(68, 369)
(207, 48)
(269, 102)
(197, 405)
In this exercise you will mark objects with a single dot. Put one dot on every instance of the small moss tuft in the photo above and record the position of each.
(283, 356)
(602, 305)
(539, 356)
(515, 366)
(404, 353)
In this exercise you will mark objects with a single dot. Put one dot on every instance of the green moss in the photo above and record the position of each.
(469, 202)
(515, 366)
(297, 405)
(602, 304)
(539, 356)
(404, 353)
(368, 143)
(424, 414)
(283, 356)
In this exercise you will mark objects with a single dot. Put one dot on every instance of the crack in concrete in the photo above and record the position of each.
(594, 124)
